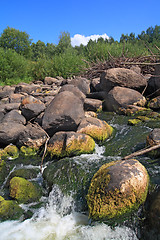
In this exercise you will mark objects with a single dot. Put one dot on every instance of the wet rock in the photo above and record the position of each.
(31, 107)
(82, 83)
(33, 137)
(23, 190)
(65, 144)
(64, 113)
(94, 105)
(10, 152)
(97, 129)
(154, 213)
(118, 188)
(120, 97)
(121, 77)
(4, 171)
(75, 90)
(154, 139)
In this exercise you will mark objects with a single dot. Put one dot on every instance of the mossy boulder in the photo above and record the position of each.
(117, 188)
(27, 151)
(27, 173)
(154, 103)
(3, 171)
(97, 129)
(154, 139)
(9, 210)
(72, 176)
(64, 144)
(10, 152)
(24, 191)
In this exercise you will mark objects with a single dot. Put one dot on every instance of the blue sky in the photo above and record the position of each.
(44, 20)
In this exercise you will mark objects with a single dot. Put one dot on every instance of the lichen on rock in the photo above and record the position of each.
(117, 189)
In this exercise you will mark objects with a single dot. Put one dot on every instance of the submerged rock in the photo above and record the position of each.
(10, 152)
(117, 189)
(97, 129)
(64, 144)
(154, 214)
(24, 191)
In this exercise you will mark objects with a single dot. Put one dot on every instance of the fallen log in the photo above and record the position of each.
(141, 152)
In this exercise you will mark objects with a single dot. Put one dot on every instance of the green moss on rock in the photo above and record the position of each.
(9, 210)
(27, 151)
(24, 191)
(134, 122)
(117, 189)
(10, 152)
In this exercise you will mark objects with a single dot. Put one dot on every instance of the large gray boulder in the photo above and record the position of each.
(64, 113)
(121, 77)
(75, 90)
(122, 97)
(14, 116)
(82, 83)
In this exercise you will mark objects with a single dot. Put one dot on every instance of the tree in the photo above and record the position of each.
(38, 50)
(19, 41)
(64, 42)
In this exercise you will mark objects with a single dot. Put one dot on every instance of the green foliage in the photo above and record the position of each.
(16, 40)
(12, 66)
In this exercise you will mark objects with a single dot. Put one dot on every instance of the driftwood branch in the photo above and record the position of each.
(141, 152)
(140, 63)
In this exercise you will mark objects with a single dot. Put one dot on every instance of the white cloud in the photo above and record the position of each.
(81, 39)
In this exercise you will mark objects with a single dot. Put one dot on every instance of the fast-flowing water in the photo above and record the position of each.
(58, 218)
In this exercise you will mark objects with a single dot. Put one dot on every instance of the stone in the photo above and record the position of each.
(16, 98)
(67, 144)
(94, 105)
(117, 189)
(82, 83)
(14, 116)
(97, 129)
(27, 88)
(154, 139)
(75, 90)
(10, 152)
(154, 103)
(10, 210)
(95, 85)
(10, 131)
(31, 107)
(121, 77)
(23, 190)
(64, 113)
(50, 80)
(6, 91)
(33, 137)
(154, 213)
(120, 97)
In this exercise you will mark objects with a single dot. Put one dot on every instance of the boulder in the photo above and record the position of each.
(23, 190)
(95, 85)
(10, 210)
(31, 107)
(64, 113)
(65, 144)
(154, 103)
(122, 77)
(33, 137)
(27, 88)
(116, 189)
(9, 106)
(136, 69)
(94, 105)
(90, 114)
(50, 80)
(120, 97)
(6, 91)
(154, 139)
(16, 98)
(97, 129)
(14, 116)
(10, 131)
(82, 83)
(75, 90)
